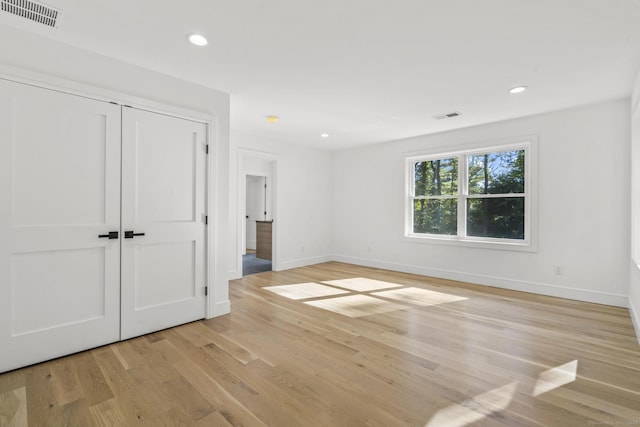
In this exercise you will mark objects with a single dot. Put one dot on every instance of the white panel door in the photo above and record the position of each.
(59, 190)
(163, 206)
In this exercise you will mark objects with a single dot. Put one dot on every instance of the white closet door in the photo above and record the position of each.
(59, 190)
(163, 196)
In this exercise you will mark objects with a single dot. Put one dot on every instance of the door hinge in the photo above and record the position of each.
(206, 220)
(206, 291)
(206, 148)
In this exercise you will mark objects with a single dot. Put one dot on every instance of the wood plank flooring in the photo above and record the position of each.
(433, 353)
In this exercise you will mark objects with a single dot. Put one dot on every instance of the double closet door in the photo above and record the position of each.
(102, 226)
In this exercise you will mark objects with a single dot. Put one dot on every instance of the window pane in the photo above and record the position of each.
(436, 177)
(501, 217)
(435, 216)
(496, 173)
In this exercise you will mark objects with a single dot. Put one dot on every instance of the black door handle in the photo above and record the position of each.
(130, 234)
(112, 235)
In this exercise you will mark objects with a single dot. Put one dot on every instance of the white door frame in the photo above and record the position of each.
(243, 154)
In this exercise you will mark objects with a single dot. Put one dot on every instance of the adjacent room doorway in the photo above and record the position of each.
(257, 257)
(257, 225)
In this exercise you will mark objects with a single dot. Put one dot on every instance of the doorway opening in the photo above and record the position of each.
(257, 257)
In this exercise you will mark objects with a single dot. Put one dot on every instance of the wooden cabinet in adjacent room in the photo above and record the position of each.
(264, 238)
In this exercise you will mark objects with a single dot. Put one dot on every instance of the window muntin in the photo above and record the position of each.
(475, 195)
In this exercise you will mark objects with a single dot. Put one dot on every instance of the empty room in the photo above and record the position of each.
(354, 213)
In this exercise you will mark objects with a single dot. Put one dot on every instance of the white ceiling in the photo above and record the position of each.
(367, 71)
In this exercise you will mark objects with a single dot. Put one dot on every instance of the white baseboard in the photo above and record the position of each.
(287, 265)
(498, 282)
(219, 309)
(634, 312)
(234, 274)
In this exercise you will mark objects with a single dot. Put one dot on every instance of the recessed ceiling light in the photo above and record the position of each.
(517, 89)
(324, 135)
(272, 119)
(198, 39)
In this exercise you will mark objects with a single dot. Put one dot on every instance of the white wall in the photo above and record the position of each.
(583, 209)
(634, 283)
(34, 58)
(302, 188)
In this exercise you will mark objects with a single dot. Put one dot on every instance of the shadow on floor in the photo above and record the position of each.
(253, 265)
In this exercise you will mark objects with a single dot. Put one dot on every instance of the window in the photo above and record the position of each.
(480, 195)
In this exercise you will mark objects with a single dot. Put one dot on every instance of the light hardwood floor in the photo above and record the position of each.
(381, 349)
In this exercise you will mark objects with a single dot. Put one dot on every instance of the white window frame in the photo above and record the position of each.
(528, 144)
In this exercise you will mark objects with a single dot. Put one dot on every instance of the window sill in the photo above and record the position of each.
(494, 244)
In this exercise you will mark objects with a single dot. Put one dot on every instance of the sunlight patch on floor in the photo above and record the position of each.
(356, 305)
(555, 377)
(305, 290)
(419, 296)
(361, 284)
(474, 409)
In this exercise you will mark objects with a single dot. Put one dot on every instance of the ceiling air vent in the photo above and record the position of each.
(448, 115)
(33, 11)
